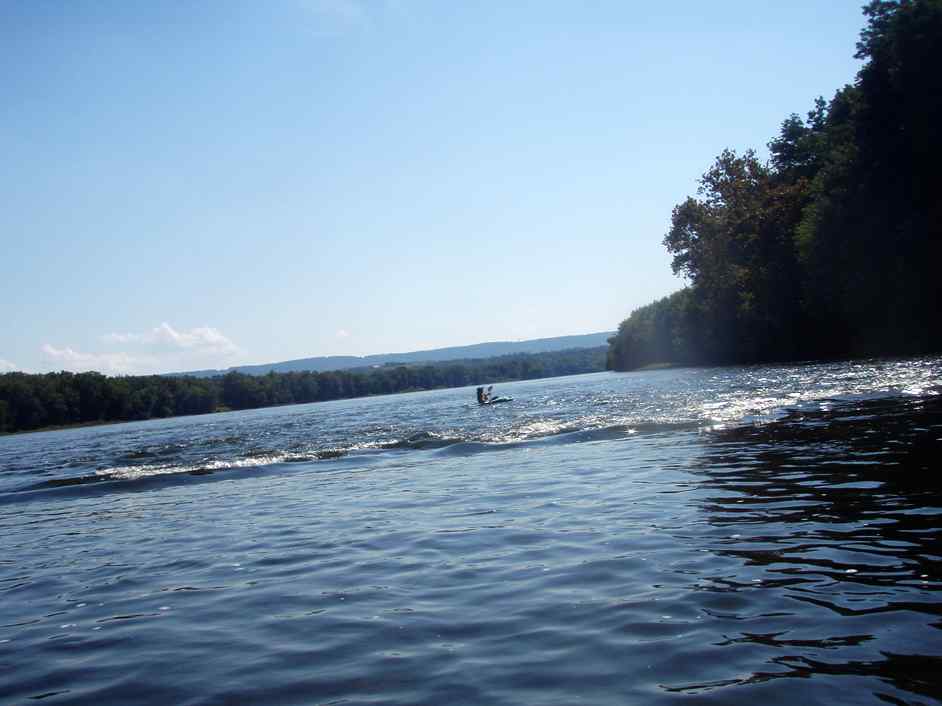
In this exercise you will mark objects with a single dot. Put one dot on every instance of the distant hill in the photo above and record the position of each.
(477, 350)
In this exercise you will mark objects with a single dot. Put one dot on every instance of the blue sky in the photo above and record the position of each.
(202, 184)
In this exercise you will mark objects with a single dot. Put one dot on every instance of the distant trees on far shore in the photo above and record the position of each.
(833, 247)
(29, 402)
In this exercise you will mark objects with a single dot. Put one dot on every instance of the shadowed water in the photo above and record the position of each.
(739, 535)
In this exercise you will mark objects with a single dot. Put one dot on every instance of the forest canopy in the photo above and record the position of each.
(831, 247)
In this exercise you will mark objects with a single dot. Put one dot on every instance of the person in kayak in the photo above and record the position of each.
(484, 395)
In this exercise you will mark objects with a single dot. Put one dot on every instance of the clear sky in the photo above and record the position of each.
(201, 184)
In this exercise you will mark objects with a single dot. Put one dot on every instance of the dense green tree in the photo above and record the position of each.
(734, 245)
(658, 333)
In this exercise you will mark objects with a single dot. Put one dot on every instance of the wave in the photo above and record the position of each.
(255, 461)
(423, 440)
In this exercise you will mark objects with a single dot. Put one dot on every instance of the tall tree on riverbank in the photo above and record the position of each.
(831, 248)
(734, 246)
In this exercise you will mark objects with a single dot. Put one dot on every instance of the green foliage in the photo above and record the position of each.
(57, 399)
(734, 245)
(656, 333)
(831, 248)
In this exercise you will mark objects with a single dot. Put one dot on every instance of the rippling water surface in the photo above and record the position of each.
(748, 535)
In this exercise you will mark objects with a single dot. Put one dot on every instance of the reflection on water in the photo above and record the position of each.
(841, 509)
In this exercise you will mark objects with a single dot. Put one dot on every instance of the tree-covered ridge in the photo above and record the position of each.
(60, 399)
(832, 247)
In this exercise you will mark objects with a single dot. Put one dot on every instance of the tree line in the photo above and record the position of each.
(30, 402)
(829, 249)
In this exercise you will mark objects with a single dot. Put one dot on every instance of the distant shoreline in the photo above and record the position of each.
(28, 397)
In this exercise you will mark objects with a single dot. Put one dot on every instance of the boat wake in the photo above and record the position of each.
(145, 469)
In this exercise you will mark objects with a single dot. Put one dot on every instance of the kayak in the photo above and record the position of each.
(496, 400)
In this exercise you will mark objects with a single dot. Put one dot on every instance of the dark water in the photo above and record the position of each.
(762, 535)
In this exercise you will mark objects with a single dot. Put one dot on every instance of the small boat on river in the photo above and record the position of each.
(485, 397)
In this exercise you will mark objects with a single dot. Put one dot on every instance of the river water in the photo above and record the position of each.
(756, 535)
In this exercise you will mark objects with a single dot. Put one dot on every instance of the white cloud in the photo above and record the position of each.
(114, 363)
(165, 337)
(334, 18)
(7, 367)
(159, 350)
(337, 15)
(342, 333)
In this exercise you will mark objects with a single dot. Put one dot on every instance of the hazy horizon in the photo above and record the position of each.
(366, 356)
